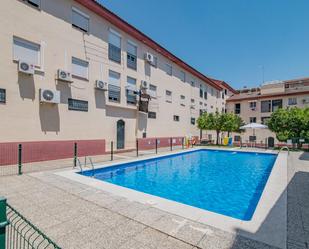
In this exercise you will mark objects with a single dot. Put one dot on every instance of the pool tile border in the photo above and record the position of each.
(268, 224)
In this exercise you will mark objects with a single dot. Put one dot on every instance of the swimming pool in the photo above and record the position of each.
(225, 182)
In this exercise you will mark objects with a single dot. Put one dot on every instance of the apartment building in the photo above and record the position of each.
(73, 70)
(257, 104)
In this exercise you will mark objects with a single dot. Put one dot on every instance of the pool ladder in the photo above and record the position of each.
(285, 147)
(85, 163)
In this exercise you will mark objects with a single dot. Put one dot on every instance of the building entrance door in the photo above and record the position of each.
(120, 134)
(271, 142)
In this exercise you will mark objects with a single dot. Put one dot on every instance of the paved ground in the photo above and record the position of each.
(77, 216)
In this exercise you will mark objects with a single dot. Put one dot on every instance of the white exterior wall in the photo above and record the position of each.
(25, 119)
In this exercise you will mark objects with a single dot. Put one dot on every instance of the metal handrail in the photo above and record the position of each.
(285, 147)
(92, 166)
(80, 165)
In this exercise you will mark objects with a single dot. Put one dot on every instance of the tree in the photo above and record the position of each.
(290, 123)
(218, 122)
(232, 123)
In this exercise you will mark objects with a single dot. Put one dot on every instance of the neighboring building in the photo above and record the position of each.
(69, 45)
(257, 104)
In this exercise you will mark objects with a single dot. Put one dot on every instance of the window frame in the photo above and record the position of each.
(82, 14)
(176, 118)
(237, 110)
(114, 88)
(192, 121)
(113, 48)
(274, 104)
(182, 76)
(252, 118)
(3, 93)
(132, 65)
(269, 106)
(72, 108)
(151, 116)
(25, 44)
(292, 102)
(82, 61)
(169, 69)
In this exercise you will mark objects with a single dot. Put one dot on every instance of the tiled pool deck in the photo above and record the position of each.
(79, 216)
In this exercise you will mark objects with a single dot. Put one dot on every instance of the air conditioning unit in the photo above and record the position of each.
(25, 67)
(49, 96)
(149, 57)
(144, 84)
(101, 85)
(132, 89)
(64, 75)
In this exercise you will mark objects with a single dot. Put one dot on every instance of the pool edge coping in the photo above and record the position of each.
(274, 195)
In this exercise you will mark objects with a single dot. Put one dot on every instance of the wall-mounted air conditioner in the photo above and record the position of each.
(49, 96)
(149, 57)
(101, 85)
(144, 84)
(64, 75)
(25, 67)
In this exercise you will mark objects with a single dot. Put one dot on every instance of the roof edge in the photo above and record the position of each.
(114, 19)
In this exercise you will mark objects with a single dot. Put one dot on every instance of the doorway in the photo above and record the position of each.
(271, 142)
(120, 134)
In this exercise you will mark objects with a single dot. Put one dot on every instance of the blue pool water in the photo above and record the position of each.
(225, 182)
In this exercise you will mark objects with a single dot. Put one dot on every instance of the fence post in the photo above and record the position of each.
(75, 154)
(136, 147)
(183, 141)
(112, 150)
(171, 143)
(20, 152)
(156, 146)
(3, 221)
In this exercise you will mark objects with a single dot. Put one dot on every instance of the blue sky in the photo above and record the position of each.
(228, 39)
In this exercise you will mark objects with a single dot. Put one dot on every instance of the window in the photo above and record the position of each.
(2, 96)
(252, 119)
(26, 51)
(114, 46)
(193, 121)
(192, 83)
(292, 101)
(212, 92)
(237, 108)
(80, 20)
(152, 115)
(218, 94)
(237, 138)
(176, 118)
(192, 101)
(264, 120)
(225, 91)
(276, 104)
(35, 3)
(205, 95)
(182, 76)
(201, 91)
(152, 91)
(131, 94)
(168, 96)
(168, 69)
(252, 105)
(222, 95)
(209, 137)
(131, 55)
(80, 68)
(78, 105)
(114, 86)
(252, 138)
(182, 100)
(265, 106)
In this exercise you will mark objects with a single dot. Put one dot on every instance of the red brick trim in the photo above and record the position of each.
(49, 150)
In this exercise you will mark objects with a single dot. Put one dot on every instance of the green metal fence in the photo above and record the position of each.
(16, 232)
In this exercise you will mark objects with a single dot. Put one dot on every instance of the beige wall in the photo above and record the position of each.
(25, 119)
(246, 113)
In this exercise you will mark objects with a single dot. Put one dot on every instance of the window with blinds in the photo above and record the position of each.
(80, 68)
(114, 46)
(2, 96)
(131, 55)
(26, 51)
(80, 20)
(114, 86)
